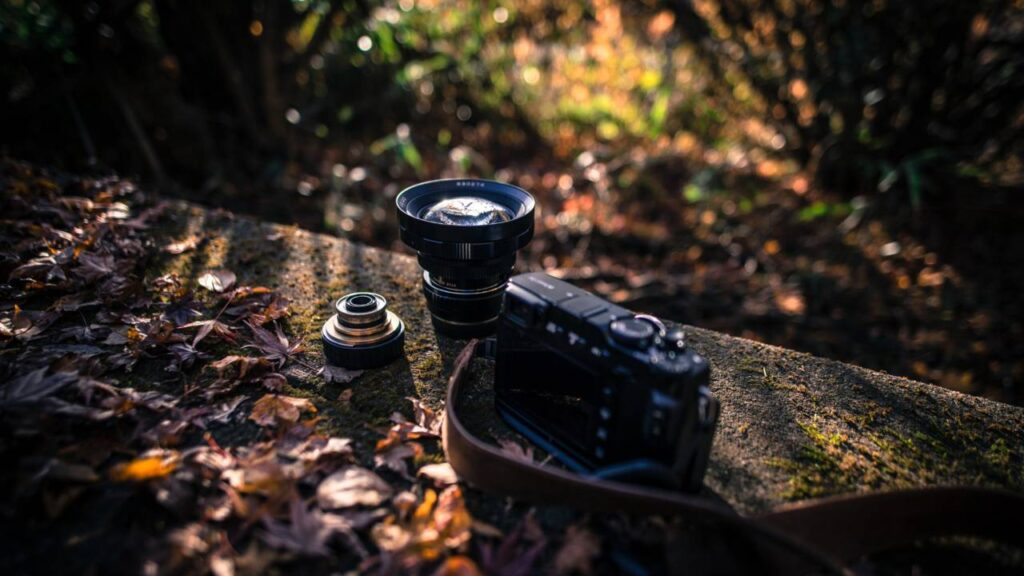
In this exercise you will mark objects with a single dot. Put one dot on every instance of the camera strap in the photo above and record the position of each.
(824, 533)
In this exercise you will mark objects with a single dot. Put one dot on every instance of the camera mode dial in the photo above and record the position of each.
(632, 332)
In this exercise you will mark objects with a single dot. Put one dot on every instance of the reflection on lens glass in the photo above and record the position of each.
(467, 211)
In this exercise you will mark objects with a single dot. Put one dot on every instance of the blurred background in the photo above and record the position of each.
(840, 177)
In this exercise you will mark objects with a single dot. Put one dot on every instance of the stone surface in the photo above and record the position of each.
(792, 426)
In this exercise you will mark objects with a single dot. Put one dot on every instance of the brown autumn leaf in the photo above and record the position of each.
(442, 474)
(452, 519)
(393, 457)
(352, 486)
(305, 534)
(436, 524)
(425, 416)
(217, 280)
(222, 330)
(93, 267)
(34, 386)
(274, 409)
(149, 466)
(239, 367)
(579, 550)
(276, 308)
(274, 345)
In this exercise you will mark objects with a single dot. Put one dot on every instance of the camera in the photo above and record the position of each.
(605, 391)
(466, 233)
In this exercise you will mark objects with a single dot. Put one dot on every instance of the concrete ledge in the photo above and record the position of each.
(793, 426)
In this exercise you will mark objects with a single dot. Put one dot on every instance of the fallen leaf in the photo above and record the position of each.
(426, 417)
(151, 465)
(393, 458)
(273, 409)
(452, 519)
(274, 381)
(93, 267)
(437, 524)
(217, 280)
(442, 474)
(274, 345)
(34, 386)
(222, 330)
(306, 533)
(339, 375)
(246, 366)
(352, 486)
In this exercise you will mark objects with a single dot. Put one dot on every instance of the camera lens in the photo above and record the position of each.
(466, 234)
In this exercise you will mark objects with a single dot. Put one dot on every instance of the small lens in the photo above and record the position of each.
(467, 211)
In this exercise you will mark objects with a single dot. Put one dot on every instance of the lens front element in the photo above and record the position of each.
(467, 211)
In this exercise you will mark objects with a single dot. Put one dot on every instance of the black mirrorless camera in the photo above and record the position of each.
(606, 391)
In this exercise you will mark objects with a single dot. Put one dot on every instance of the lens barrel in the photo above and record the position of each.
(466, 233)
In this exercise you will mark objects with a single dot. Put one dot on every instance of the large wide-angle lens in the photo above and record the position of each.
(466, 234)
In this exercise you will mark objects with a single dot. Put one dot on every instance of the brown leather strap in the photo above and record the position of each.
(821, 532)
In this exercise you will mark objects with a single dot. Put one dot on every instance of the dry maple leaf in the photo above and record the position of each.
(93, 267)
(394, 457)
(352, 486)
(273, 409)
(306, 533)
(275, 346)
(217, 280)
(247, 366)
(425, 416)
(437, 524)
(222, 330)
(149, 466)
(34, 386)
(276, 308)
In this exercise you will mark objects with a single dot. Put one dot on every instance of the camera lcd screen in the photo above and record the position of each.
(550, 392)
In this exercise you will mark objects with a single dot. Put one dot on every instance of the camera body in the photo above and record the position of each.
(607, 392)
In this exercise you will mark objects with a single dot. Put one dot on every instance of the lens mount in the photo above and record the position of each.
(466, 233)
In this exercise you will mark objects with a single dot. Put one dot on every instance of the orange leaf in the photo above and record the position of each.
(147, 467)
(272, 409)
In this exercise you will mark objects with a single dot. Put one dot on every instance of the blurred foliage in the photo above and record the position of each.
(877, 93)
(765, 168)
